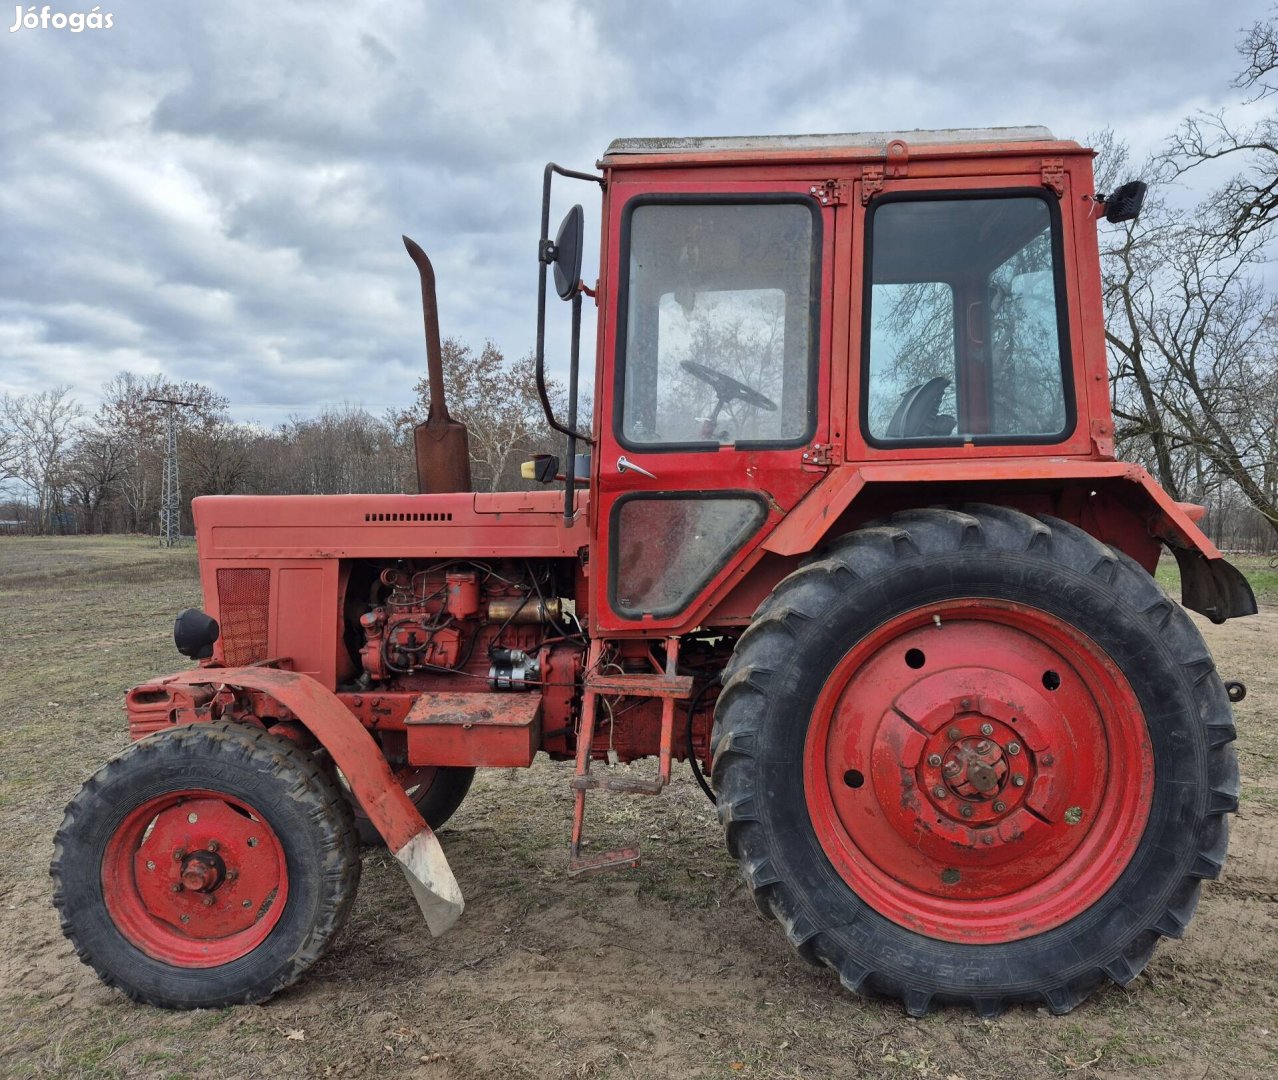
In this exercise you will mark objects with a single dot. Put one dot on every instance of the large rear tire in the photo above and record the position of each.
(205, 866)
(973, 756)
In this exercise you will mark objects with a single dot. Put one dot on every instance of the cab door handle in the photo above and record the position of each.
(625, 465)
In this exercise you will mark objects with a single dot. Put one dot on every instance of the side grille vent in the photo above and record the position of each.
(243, 604)
(439, 516)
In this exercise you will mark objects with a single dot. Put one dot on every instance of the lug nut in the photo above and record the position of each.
(1018, 780)
(186, 918)
(252, 841)
(966, 703)
(965, 810)
(1000, 806)
(246, 903)
(150, 865)
(939, 792)
(954, 734)
(213, 845)
(1013, 748)
(987, 729)
(934, 760)
(208, 901)
(231, 875)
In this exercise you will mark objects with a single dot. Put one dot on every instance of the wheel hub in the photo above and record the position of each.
(1003, 770)
(976, 769)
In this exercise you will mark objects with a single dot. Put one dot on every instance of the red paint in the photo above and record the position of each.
(287, 577)
(916, 719)
(352, 748)
(494, 730)
(195, 878)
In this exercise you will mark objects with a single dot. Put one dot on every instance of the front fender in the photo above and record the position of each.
(357, 754)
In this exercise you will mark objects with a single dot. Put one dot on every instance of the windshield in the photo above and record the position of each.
(965, 322)
(720, 337)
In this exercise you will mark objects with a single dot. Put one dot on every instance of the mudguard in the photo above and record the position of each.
(357, 754)
(1210, 585)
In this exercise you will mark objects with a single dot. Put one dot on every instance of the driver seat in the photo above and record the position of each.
(916, 416)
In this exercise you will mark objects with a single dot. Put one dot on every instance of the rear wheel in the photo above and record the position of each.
(436, 790)
(205, 866)
(974, 756)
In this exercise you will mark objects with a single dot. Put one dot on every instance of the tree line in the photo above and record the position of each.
(66, 469)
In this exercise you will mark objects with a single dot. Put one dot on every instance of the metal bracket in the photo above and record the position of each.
(831, 193)
(896, 167)
(1102, 438)
(1054, 175)
(825, 454)
(871, 182)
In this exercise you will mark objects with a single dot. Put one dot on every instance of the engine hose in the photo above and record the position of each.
(692, 754)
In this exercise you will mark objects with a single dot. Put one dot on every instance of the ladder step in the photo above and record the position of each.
(623, 784)
(672, 686)
(585, 865)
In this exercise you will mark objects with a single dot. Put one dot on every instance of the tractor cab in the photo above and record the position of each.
(775, 309)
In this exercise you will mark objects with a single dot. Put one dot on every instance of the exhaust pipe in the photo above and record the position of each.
(441, 445)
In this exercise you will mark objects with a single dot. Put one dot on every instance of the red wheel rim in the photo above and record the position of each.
(978, 771)
(195, 878)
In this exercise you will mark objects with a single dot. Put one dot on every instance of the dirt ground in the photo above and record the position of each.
(667, 971)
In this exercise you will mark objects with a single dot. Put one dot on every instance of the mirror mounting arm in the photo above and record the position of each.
(547, 253)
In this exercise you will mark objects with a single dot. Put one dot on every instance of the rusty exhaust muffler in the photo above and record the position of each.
(441, 444)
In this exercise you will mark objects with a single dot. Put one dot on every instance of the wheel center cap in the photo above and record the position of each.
(203, 871)
(974, 768)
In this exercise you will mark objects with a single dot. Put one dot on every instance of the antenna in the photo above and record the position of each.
(171, 492)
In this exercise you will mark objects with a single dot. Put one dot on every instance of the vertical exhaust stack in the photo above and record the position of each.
(441, 445)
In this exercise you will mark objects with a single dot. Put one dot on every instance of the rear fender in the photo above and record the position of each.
(1121, 504)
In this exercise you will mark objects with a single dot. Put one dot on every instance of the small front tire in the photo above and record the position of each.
(205, 866)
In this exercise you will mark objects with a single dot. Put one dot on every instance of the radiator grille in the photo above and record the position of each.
(243, 603)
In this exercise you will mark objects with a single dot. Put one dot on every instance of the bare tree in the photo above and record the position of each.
(1246, 205)
(43, 426)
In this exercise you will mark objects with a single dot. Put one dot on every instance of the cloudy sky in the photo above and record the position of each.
(216, 191)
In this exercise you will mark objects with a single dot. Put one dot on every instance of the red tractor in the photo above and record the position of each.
(847, 530)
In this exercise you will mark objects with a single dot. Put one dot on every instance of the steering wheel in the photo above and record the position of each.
(728, 388)
(918, 414)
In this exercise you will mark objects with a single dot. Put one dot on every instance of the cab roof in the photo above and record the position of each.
(855, 144)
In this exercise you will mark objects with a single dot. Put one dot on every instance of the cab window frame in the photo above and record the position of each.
(1061, 288)
(815, 282)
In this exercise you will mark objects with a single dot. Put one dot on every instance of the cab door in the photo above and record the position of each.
(715, 391)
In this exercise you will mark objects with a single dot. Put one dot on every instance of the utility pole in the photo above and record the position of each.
(171, 492)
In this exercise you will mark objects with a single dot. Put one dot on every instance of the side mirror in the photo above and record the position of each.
(567, 255)
(1125, 203)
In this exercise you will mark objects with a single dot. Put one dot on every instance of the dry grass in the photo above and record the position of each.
(667, 971)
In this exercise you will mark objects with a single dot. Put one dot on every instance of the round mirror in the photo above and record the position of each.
(568, 253)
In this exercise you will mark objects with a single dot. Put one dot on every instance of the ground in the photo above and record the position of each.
(667, 971)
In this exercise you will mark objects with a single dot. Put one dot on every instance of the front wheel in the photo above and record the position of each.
(977, 757)
(205, 866)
